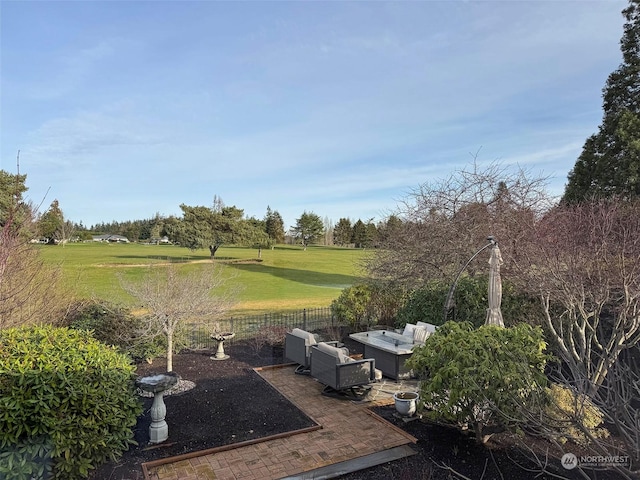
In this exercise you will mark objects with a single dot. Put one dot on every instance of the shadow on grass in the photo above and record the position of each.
(307, 277)
(187, 259)
(166, 258)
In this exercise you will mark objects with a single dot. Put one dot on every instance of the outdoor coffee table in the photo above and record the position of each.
(389, 349)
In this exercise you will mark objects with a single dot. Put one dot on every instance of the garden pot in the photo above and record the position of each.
(406, 403)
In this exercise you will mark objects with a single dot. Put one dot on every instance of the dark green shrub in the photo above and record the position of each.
(367, 304)
(424, 305)
(471, 302)
(481, 378)
(352, 306)
(67, 403)
(115, 325)
(385, 302)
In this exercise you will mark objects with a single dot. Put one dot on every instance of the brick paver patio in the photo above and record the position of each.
(349, 430)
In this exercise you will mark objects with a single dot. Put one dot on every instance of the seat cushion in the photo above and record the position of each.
(338, 353)
(430, 328)
(408, 330)
(308, 336)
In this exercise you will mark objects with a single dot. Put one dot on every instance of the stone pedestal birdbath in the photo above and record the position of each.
(157, 384)
(220, 338)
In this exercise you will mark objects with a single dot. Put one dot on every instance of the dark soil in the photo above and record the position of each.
(231, 403)
(445, 453)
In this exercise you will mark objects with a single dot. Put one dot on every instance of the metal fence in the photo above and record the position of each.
(269, 327)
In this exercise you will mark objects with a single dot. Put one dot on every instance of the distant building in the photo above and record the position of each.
(159, 241)
(110, 238)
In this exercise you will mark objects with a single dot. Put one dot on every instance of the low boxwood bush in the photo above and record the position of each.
(67, 403)
(481, 379)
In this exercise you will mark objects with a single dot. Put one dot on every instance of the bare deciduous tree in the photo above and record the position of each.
(172, 298)
(619, 400)
(30, 291)
(445, 222)
(583, 262)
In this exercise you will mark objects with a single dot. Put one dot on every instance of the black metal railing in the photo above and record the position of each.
(269, 326)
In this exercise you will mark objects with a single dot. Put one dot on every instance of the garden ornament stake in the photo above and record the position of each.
(449, 303)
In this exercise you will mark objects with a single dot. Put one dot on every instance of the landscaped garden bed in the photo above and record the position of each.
(231, 403)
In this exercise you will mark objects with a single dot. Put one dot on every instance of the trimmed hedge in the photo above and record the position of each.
(67, 403)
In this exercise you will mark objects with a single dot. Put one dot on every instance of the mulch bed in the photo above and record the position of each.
(231, 403)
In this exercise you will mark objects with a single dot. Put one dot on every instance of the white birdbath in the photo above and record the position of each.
(220, 338)
(157, 384)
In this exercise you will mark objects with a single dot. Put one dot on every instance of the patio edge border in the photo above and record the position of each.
(223, 448)
(390, 425)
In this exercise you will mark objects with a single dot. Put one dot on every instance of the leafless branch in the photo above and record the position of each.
(172, 298)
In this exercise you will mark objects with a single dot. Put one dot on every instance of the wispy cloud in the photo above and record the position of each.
(335, 107)
(85, 136)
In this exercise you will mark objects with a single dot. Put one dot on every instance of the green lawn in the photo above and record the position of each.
(286, 278)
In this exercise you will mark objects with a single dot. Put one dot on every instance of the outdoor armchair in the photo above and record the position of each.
(297, 348)
(342, 376)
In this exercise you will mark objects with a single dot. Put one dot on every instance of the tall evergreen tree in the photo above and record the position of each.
(51, 223)
(13, 208)
(371, 238)
(309, 228)
(610, 160)
(389, 228)
(274, 226)
(359, 235)
(342, 232)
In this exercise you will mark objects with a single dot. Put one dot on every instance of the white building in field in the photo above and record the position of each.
(110, 238)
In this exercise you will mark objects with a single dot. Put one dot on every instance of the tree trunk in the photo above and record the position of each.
(213, 249)
(169, 352)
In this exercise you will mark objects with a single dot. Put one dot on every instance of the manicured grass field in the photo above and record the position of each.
(285, 278)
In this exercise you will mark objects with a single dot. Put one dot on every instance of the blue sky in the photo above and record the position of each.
(122, 109)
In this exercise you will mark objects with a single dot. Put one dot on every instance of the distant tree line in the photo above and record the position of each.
(212, 227)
